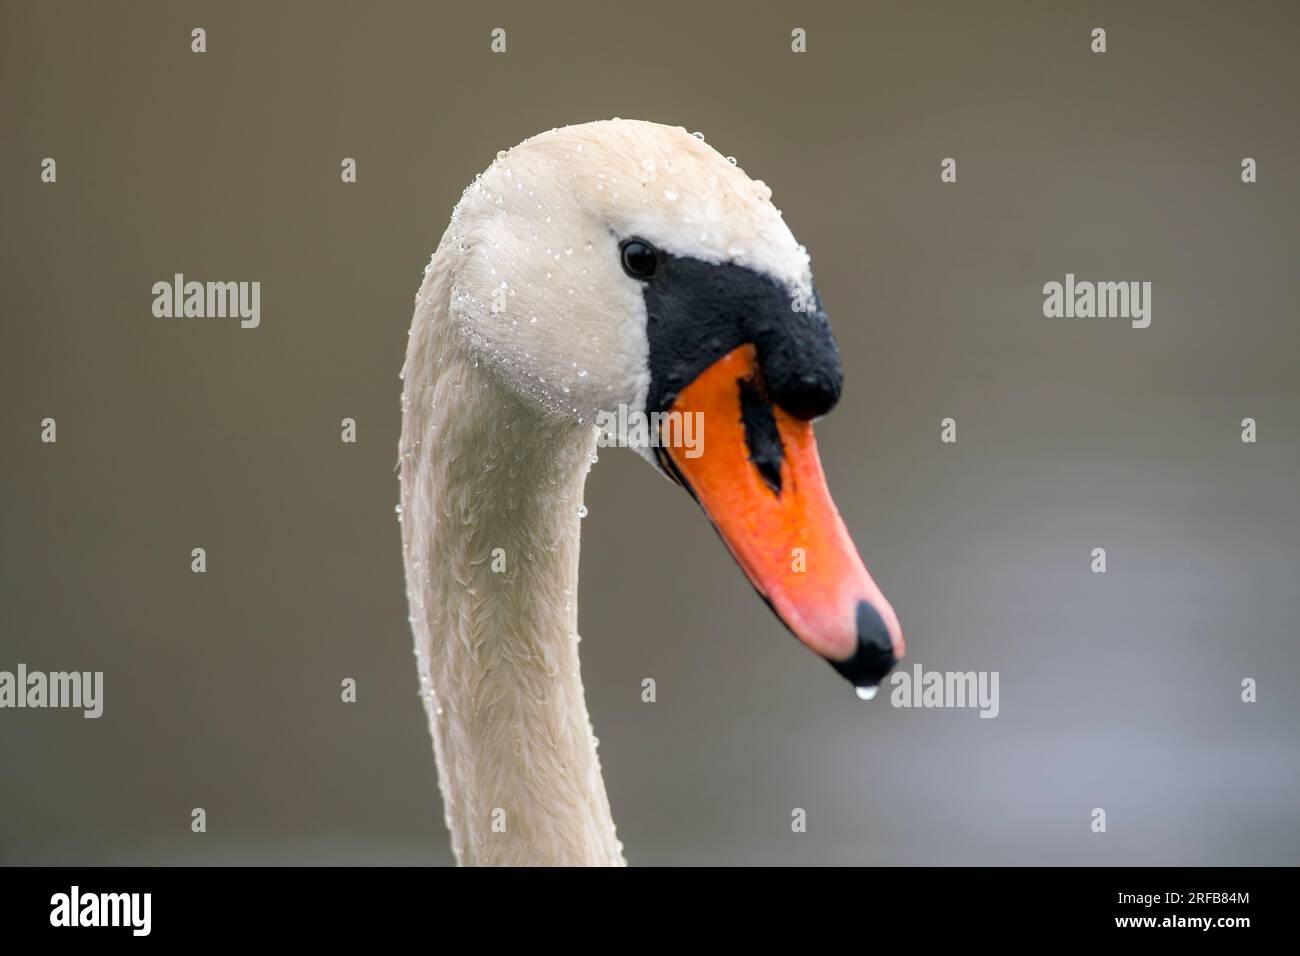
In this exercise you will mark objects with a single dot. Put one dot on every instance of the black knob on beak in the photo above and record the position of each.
(799, 359)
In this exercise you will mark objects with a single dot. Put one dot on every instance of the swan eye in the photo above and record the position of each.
(639, 259)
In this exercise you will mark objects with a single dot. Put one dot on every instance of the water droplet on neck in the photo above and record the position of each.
(582, 511)
(866, 693)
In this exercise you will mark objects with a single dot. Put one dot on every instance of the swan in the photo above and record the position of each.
(614, 266)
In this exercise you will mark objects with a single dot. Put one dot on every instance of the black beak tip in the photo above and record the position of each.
(874, 658)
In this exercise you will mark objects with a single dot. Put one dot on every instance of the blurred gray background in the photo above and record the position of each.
(1119, 691)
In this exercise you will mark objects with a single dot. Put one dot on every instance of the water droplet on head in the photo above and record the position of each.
(582, 511)
(670, 195)
(866, 693)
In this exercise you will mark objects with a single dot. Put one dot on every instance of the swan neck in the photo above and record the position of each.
(491, 493)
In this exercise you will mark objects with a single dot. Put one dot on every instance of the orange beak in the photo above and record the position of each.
(757, 475)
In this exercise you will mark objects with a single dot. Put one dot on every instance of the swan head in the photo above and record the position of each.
(626, 276)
